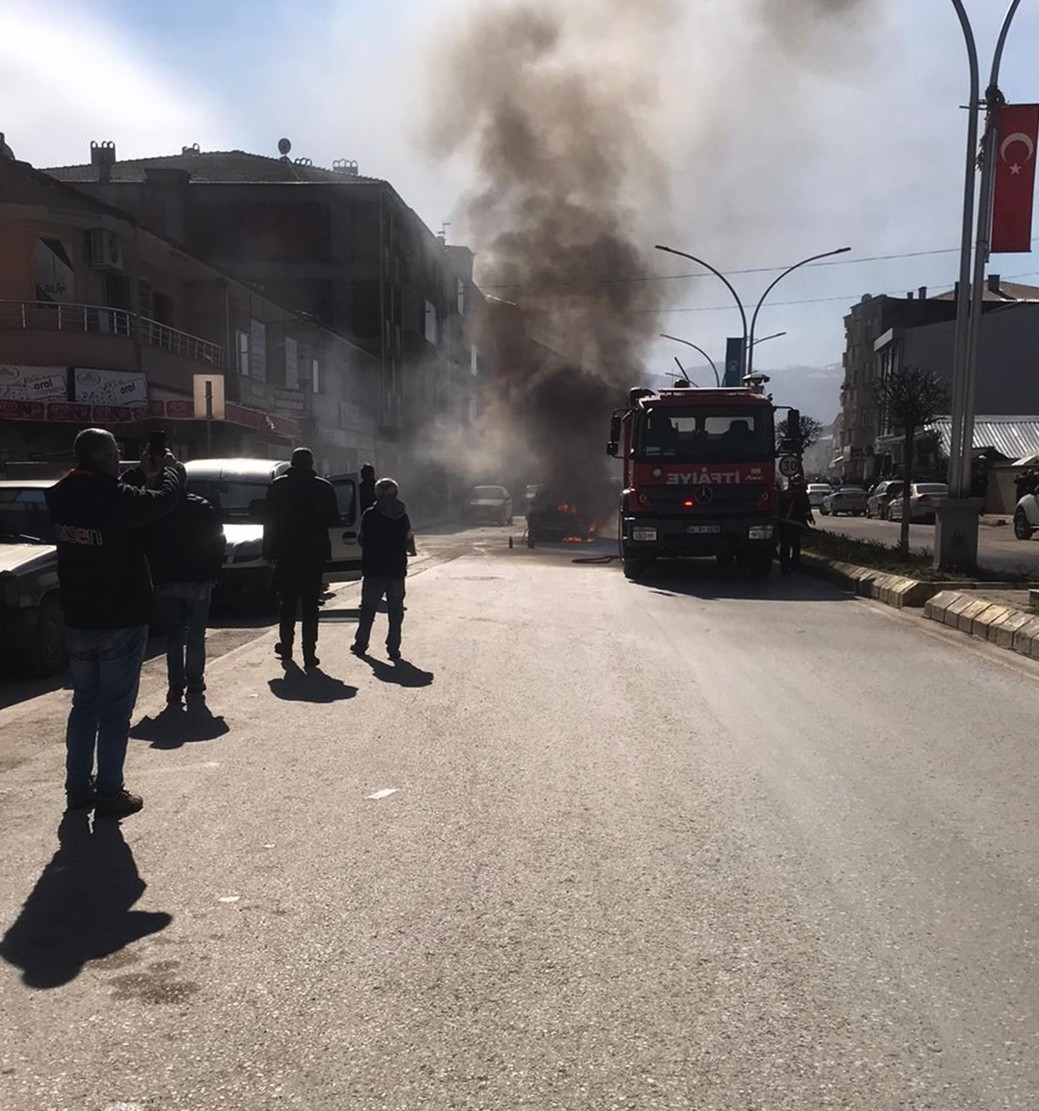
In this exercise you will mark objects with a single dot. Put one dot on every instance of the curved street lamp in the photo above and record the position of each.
(748, 335)
(775, 335)
(728, 286)
(689, 343)
(772, 286)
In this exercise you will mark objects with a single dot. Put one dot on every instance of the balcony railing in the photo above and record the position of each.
(180, 343)
(50, 316)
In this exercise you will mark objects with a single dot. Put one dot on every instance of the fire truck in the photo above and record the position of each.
(699, 476)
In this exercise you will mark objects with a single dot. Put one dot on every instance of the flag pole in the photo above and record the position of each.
(994, 100)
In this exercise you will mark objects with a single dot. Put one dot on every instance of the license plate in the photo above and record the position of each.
(701, 529)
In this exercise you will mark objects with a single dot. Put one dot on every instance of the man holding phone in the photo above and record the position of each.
(106, 596)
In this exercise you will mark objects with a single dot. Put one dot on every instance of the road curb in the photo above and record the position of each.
(1006, 627)
(868, 582)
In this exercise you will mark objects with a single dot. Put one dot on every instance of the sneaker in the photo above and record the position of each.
(284, 651)
(310, 661)
(358, 650)
(79, 800)
(118, 806)
(174, 695)
(197, 688)
(393, 655)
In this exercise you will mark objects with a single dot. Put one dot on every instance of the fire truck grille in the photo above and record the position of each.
(708, 499)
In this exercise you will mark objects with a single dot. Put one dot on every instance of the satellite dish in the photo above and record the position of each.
(284, 146)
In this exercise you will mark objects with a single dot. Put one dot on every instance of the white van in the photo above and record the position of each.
(237, 489)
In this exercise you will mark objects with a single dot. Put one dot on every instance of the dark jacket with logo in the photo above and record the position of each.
(301, 508)
(100, 536)
(386, 540)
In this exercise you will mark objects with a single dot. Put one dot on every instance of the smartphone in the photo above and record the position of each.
(157, 445)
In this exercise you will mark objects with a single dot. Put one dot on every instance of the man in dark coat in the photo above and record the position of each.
(366, 489)
(106, 598)
(386, 542)
(795, 515)
(301, 508)
(186, 553)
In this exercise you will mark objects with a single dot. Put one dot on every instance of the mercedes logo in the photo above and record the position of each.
(704, 494)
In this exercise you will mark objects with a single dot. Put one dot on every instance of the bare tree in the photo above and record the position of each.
(811, 430)
(909, 398)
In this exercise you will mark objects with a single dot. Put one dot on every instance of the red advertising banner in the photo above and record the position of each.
(1018, 125)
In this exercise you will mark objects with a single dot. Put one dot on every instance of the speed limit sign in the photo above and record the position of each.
(789, 466)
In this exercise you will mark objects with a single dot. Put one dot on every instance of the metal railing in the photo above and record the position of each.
(180, 343)
(52, 316)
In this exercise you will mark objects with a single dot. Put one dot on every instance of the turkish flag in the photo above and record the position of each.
(1016, 129)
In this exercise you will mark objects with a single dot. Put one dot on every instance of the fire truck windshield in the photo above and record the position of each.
(691, 435)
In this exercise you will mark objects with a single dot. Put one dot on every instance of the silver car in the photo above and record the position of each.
(924, 499)
(31, 632)
(880, 497)
(850, 500)
(816, 492)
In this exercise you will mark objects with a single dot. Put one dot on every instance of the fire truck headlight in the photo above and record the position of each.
(759, 532)
(646, 535)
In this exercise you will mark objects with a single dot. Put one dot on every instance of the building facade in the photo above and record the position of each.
(105, 322)
(342, 248)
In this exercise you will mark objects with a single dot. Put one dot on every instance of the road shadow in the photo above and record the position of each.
(337, 613)
(312, 685)
(704, 579)
(79, 909)
(179, 725)
(401, 672)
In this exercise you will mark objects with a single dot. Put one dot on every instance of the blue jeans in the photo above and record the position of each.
(372, 592)
(105, 665)
(184, 609)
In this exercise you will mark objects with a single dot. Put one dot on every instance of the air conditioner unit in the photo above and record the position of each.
(106, 252)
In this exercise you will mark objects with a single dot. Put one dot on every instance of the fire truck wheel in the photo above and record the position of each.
(635, 568)
(759, 564)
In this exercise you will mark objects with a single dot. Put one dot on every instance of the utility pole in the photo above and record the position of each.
(956, 533)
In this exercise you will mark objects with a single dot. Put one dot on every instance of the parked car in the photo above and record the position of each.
(237, 489)
(924, 499)
(880, 496)
(848, 499)
(489, 504)
(31, 633)
(817, 491)
(1026, 517)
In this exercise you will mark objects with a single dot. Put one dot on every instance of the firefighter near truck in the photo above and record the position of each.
(699, 476)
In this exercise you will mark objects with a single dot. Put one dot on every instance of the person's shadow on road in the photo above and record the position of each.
(176, 726)
(312, 685)
(79, 909)
(401, 672)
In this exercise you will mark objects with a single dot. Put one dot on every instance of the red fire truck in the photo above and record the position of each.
(699, 476)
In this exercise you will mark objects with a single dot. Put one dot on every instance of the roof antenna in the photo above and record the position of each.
(284, 146)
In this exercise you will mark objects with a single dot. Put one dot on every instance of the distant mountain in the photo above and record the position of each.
(815, 390)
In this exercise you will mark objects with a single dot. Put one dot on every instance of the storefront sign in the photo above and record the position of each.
(109, 387)
(33, 383)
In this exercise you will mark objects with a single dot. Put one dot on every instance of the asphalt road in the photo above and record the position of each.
(997, 547)
(690, 843)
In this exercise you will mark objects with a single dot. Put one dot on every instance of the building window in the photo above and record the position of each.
(315, 376)
(258, 350)
(291, 364)
(242, 344)
(461, 297)
(431, 323)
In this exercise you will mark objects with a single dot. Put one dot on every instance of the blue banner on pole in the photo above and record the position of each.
(733, 362)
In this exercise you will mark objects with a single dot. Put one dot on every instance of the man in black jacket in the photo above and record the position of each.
(186, 552)
(106, 597)
(301, 508)
(386, 542)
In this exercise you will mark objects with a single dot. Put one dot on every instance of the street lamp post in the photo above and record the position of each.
(772, 286)
(728, 286)
(956, 537)
(689, 343)
(775, 335)
(747, 361)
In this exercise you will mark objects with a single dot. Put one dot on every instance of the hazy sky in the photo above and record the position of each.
(777, 143)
